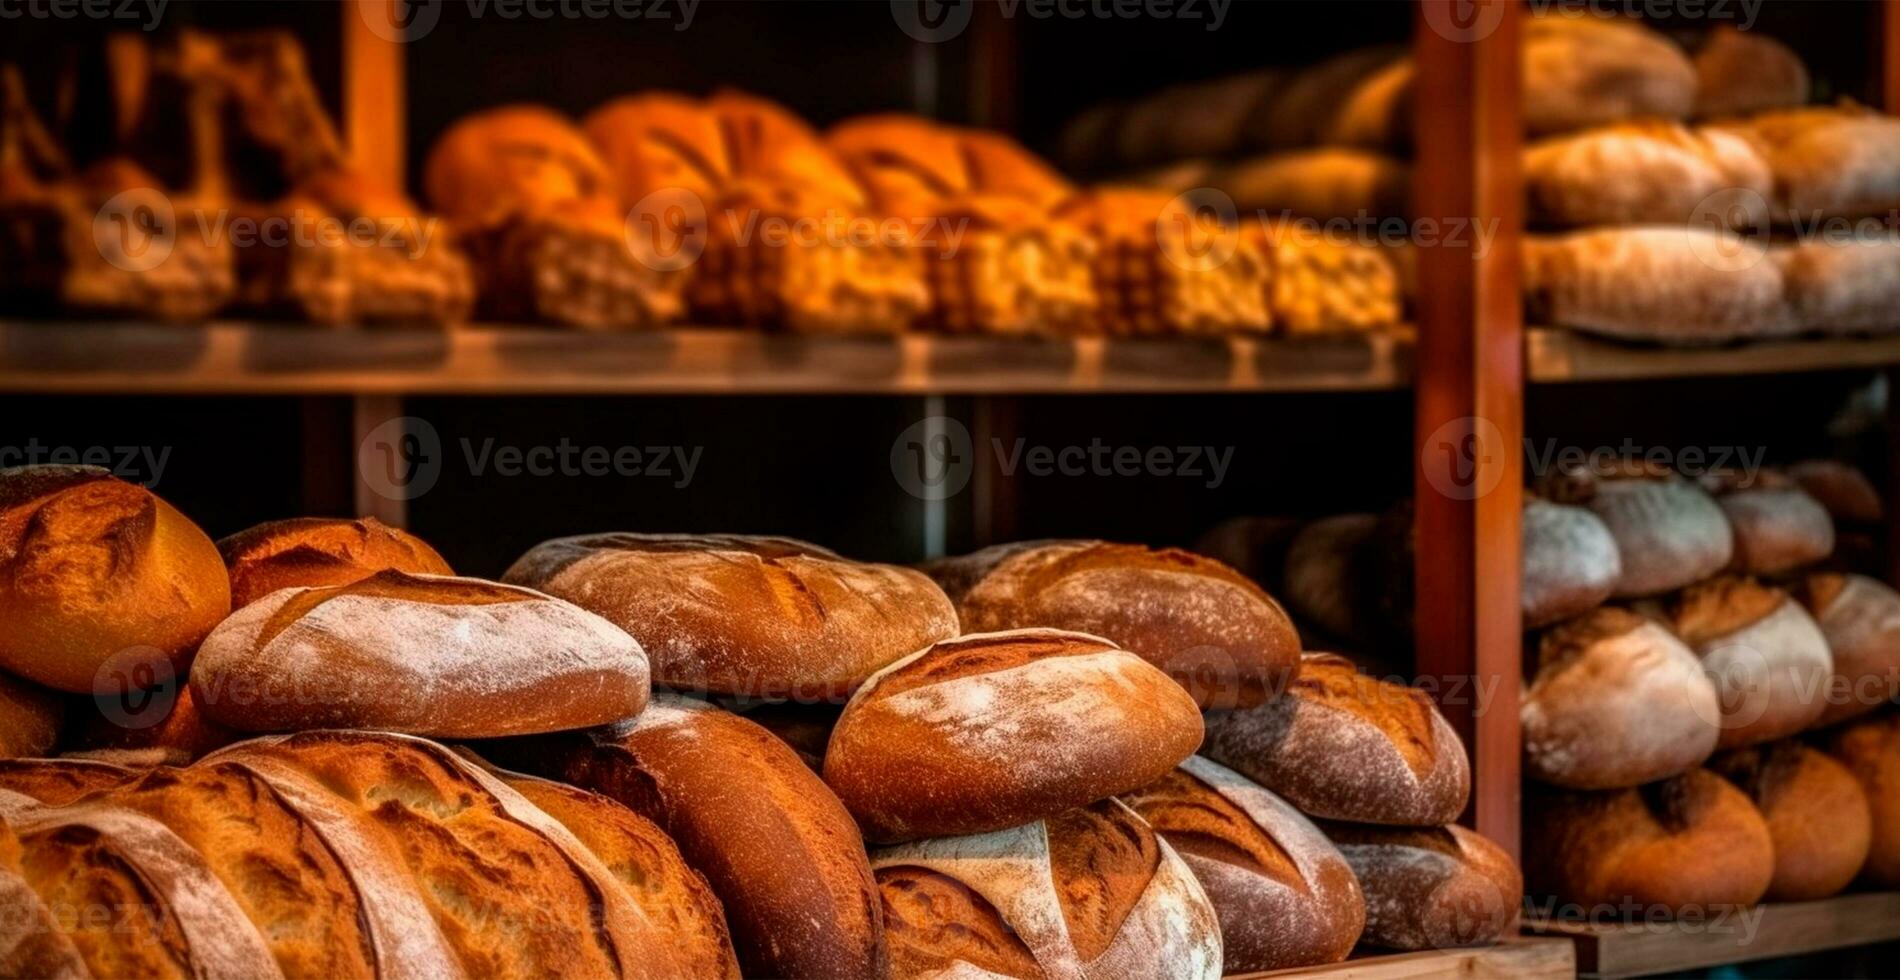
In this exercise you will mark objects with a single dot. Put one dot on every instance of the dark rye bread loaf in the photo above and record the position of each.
(1430, 887)
(1870, 748)
(1345, 746)
(1860, 618)
(1283, 894)
(748, 616)
(995, 730)
(778, 849)
(1091, 892)
(315, 551)
(1616, 700)
(1205, 625)
(1817, 814)
(1770, 663)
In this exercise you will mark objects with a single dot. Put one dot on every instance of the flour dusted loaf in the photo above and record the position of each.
(1202, 623)
(749, 616)
(1430, 887)
(1692, 841)
(1283, 894)
(30, 718)
(1571, 563)
(778, 849)
(1842, 285)
(1345, 746)
(1778, 527)
(1669, 532)
(1090, 893)
(421, 654)
(1659, 283)
(316, 551)
(1646, 173)
(1769, 661)
(1870, 748)
(1860, 618)
(992, 730)
(1828, 161)
(1817, 814)
(93, 568)
(1616, 700)
(1739, 73)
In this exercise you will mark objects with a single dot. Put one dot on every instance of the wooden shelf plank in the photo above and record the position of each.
(1553, 355)
(1763, 932)
(1529, 959)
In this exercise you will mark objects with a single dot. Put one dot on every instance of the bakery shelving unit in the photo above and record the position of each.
(1514, 959)
(1784, 929)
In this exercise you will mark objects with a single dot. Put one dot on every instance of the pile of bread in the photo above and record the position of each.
(1708, 710)
(307, 752)
(1675, 198)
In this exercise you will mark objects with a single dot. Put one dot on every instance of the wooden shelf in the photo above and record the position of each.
(1554, 355)
(1526, 958)
(278, 359)
(1783, 929)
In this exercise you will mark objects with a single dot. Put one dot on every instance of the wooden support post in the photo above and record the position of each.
(388, 461)
(1470, 388)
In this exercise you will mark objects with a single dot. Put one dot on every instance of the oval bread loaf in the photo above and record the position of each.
(1430, 887)
(1739, 73)
(1672, 284)
(1860, 618)
(1778, 527)
(1583, 70)
(1770, 663)
(1870, 748)
(1817, 814)
(1645, 173)
(316, 551)
(1571, 563)
(1828, 161)
(1669, 532)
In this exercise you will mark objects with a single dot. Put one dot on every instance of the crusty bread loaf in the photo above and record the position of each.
(1740, 73)
(421, 654)
(31, 944)
(1345, 746)
(1583, 70)
(749, 616)
(1317, 283)
(1860, 617)
(1828, 161)
(1842, 285)
(1871, 750)
(1850, 498)
(1307, 109)
(500, 163)
(1666, 284)
(992, 730)
(1570, 562)
(314, 551)
(778, 849)
(1323, 184)
(1283, 894)
(1692, 841)
(149, 727)
(1616, 700)
(90, 567)
(1430, 887)
(57, 782)
(1778, 527)
(1817, 814)
(30, 718)
(1769, 660)
(1646, 173)
(1091, 892)
(1205, 625)
(804, 727)
(656, 141)
(1669, 532)
(1163, 266)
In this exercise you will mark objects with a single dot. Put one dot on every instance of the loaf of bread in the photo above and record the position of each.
(1570, 562)
(1828, 161)
(1307, 110)
(1430, 887)
(162, 726)
(1583, 70)
(91, 566)
(993, 730)
(420, 654)
(1284, 895)
(1860, 617)
(746, 616)
(1330, 578)
(1692, 841)
(31, 944)
(1669, 532)
(1646, 172)
(1090, 892)
(57, 782)
(1870, 748)
(1163, 266)
(1740, 73)
(1671, 285)
(1345, 746)
(1768, 659)
(1324, 184)
(1840, 285)
(776, 846)
(1817, 814)
(30, 718)
(494, 165)
(1850, 498)
(1318, 284)
(806, 728)
(318, 551)
(1205, 625)
(1778, 527)
(1615, 701)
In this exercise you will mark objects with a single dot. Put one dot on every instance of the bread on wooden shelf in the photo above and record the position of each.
(1430, 887)
(319, 551)
(1870, 748)
(1817, 814)
(30, 718)
(1571, 563)
(1669, 532)
(1850, 498)
(1842, 285)
(1659, 283)
(1778, 527)
(1583, 70)
(1769, 661)
(1323, 183)
(1860, 617)
(1092, 891)
(1317, 285)
(1739, 73)
(1164, 266)
(1646, 172)
(1839, 161)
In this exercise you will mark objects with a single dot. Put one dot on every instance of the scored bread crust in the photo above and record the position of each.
(31, 944)
(1616, 701)
(1345, 746)
(57, 782)
(1571, 563)
(92, 566)
(1768, 658)
(1205, 625)
(741, 615)
(1284, 895)
(30, 718)
(1092, 894)
(1870, 748)
(318, 551)
(994, 730)
(1817, 814)
(1431, 887)
(418, 654)
(1860, 619)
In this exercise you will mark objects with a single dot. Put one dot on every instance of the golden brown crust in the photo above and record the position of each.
(316, 551)
(30, 718)
(1101, 859)
(934, 921)
(1710, 610)
(1870, 749)
(1817, 814)
(1197, 820)
(57, 782)
(660, 141)
(509, 161)
(1565, 642)
(1431, 887)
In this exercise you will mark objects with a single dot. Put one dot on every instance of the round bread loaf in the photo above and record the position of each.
(1739, 73)
(1668, 532)
(778, 849)
(1692, 841)
(749, 616)
(1616, 701)
(1283, 894)
(314, 551)
(1345, 746)
(511, 160)
(163, 730)
(1769, 661)
(92, 566)
(993, 730)
(1205, 625)
(419, 654)
(1846, 493)
(1778, 527)
(1817, 814)
(1328, 580)
(30, 718)
(1090, 892)
(1571, 563)
(1870, 749)
(1860, 618)
(1430, 887)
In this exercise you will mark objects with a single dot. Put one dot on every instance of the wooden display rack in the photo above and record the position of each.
(1784, 929)
(1515, 959)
